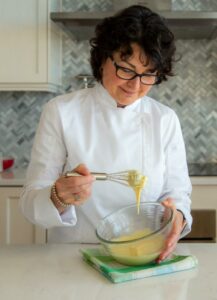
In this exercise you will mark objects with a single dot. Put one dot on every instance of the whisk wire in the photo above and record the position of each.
(124, 177)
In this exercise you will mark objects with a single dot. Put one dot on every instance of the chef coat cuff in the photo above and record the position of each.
(187, 218)
(47, 215)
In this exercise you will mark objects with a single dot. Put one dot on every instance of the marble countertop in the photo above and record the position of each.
(48, 272)
(16, 177)
(13, 177)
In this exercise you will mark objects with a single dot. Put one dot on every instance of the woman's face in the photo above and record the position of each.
(123, 91)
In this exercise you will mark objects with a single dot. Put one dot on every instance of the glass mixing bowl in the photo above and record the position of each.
(136, 239)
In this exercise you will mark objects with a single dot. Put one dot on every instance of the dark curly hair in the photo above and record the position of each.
(135, 24)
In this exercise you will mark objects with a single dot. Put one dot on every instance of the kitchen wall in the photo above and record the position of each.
(192, 93)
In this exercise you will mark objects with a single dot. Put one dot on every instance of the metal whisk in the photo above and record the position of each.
(130, 178)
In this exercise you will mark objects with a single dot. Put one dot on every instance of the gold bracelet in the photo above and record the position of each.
(57, 199)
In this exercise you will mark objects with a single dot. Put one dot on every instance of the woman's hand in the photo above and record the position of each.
(74, 190)
(178, 225)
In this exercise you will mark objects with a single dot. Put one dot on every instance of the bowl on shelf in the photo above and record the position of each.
(136, 239)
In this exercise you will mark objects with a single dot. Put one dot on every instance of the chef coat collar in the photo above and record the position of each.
(108, 100)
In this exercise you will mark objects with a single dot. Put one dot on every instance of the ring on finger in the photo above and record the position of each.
(76, 197)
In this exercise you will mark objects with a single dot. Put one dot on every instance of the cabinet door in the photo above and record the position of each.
(14, 227)
(30, 52)
(23, 41)
(205, 197)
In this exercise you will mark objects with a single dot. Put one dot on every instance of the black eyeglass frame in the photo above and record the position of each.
(117, 67)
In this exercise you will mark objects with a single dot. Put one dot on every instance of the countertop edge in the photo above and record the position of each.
(203, 180)
(17, 177)
(13, 178)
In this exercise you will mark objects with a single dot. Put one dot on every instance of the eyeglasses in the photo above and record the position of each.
(128, 74)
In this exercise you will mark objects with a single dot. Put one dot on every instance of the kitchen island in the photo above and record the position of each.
(58, 272)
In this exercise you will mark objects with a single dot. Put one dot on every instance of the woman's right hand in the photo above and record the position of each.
(74, 190)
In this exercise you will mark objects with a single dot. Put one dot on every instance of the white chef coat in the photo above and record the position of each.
(87, 127)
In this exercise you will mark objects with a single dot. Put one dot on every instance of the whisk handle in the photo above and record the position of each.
(98, 176)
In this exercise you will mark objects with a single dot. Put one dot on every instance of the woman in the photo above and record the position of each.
(112, 127)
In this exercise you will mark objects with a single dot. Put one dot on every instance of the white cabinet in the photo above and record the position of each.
(204, 196)
(30, 52)
(15, 229)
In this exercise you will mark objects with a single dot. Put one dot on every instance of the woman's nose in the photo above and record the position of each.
(135, 82)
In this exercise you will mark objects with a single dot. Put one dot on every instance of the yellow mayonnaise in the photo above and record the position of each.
(137, 181)
(138, 252)
(133, 236)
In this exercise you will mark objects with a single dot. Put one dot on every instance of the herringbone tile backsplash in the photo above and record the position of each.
(192, 93)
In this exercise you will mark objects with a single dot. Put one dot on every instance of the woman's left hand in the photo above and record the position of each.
(178, 225)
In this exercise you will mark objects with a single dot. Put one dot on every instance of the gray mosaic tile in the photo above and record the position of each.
(87, 5)
(75, 62)
(206, 5)
(19, 116)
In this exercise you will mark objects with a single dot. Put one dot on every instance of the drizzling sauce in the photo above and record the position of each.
(137, 181)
